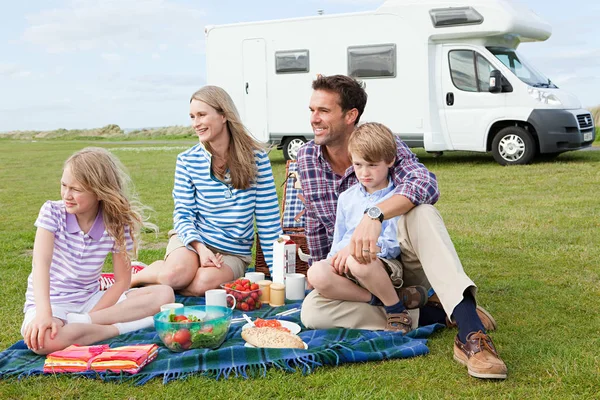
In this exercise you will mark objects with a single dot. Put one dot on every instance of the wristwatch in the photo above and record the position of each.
(374, 213)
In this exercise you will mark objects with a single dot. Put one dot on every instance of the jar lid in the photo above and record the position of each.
(277, 286)
(264, 282)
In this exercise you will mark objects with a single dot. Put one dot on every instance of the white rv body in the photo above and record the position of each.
(424, 100)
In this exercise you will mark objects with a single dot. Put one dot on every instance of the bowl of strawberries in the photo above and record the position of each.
(246, 294)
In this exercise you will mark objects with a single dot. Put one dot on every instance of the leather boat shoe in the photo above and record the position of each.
(480, 356)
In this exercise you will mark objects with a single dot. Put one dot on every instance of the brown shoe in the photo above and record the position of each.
(489, 323)
(480, 356)
(399, 322)
(412, 296)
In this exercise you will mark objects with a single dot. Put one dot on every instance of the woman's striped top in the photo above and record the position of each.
(214, 213)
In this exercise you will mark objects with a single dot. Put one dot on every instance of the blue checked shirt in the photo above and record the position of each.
(350, 210)
(321, 188)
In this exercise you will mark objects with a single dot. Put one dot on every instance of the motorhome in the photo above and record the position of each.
(442, 74)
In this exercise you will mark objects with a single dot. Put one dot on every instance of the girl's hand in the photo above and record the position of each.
(339, 261)
(36, 331)
(209, 259)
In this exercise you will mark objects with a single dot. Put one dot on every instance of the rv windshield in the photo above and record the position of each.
(523, 70)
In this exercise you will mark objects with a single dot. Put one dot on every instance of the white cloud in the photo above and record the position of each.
(111, 57)
(13, 71)
(110, 25)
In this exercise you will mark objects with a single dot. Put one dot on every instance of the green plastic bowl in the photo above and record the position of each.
(208, 332)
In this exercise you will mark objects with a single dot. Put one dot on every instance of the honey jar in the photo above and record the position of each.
(277, 295)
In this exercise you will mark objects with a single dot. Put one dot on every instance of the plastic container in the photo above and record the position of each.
(208, 331)
(246, 294)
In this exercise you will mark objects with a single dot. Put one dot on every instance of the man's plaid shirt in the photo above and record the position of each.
(321, 188)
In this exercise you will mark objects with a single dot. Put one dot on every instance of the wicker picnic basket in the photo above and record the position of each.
(292, 221)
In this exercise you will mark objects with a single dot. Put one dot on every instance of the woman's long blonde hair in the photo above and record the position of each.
(101, 173)
(240, 160)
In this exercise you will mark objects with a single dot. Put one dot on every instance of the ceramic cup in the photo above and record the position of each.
(255, 276)
(218, 297)
(170, 306)
(295, 285)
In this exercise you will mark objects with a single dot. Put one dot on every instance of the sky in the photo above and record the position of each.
(79, 64)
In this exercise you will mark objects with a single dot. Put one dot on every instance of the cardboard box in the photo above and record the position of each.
(284, 258)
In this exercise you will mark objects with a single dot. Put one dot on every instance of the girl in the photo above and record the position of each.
(222, 185)
(63, 304)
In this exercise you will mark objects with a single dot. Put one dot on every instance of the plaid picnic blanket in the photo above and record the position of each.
(325, 347)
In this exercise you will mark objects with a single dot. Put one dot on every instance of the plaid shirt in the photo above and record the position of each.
(321, 187)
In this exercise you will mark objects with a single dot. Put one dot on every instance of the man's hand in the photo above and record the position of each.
(208, 258)
(363, 244)
(338, 261)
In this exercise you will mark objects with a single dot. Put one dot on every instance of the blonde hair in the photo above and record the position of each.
(373, 142)
(240, 160)
(101, 173)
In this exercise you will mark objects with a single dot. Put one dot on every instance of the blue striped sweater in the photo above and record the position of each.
(214, 213)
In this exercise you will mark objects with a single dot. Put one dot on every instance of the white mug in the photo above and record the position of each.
(218, 297)
(255, 276)
(295, 285)
(170, 306)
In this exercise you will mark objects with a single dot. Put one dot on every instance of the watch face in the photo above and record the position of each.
(374, 212)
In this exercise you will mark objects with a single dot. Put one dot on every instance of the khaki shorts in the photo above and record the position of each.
(235, 262)
(393, 267)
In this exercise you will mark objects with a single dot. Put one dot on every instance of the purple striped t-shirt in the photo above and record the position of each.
(77, 259)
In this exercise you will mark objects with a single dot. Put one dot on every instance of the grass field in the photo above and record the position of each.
(528, 236)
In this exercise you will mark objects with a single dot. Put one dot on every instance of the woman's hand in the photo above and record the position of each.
(338, 261)
(36, 331)
(209, 259)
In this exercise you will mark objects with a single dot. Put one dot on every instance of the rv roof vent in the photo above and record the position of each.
(444, 17)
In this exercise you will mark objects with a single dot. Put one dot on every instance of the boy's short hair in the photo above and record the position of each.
(351, 91)
(373, 142)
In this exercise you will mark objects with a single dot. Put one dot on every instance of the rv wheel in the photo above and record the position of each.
(513, 145)
(291, 145)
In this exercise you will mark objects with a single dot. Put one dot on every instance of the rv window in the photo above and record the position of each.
(462, 69)
(483, 73)
(378, 61)
(445, 17)
(293, 61)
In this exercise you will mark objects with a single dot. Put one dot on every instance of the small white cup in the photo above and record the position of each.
(295, 285)
(170, 306)
(218, 297)
(255, 276)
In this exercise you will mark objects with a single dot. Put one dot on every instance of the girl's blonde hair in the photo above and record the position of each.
(373, 142)
(240, 160)
(101, 173)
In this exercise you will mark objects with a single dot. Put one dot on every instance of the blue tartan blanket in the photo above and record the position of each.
(325, 347)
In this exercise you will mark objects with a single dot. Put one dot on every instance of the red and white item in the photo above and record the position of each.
(284, 258)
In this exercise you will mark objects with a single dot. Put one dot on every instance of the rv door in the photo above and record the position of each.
(255, 88)
(469, 107)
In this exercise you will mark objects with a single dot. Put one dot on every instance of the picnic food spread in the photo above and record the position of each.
(272, 337)
(246, 293)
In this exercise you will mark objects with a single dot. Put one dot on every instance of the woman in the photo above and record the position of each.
(221, 185)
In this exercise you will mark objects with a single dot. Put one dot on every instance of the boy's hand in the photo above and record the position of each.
(338, 261)
(363, 244)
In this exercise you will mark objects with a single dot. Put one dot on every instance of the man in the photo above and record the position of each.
(427, 253)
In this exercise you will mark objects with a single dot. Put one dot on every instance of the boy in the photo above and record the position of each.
(372, 148)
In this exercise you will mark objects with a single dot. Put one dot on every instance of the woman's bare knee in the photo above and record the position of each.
(177, 276)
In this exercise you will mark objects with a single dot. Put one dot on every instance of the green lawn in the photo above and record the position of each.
(528, 236)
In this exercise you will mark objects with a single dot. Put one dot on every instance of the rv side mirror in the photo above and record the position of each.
(495, 81)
